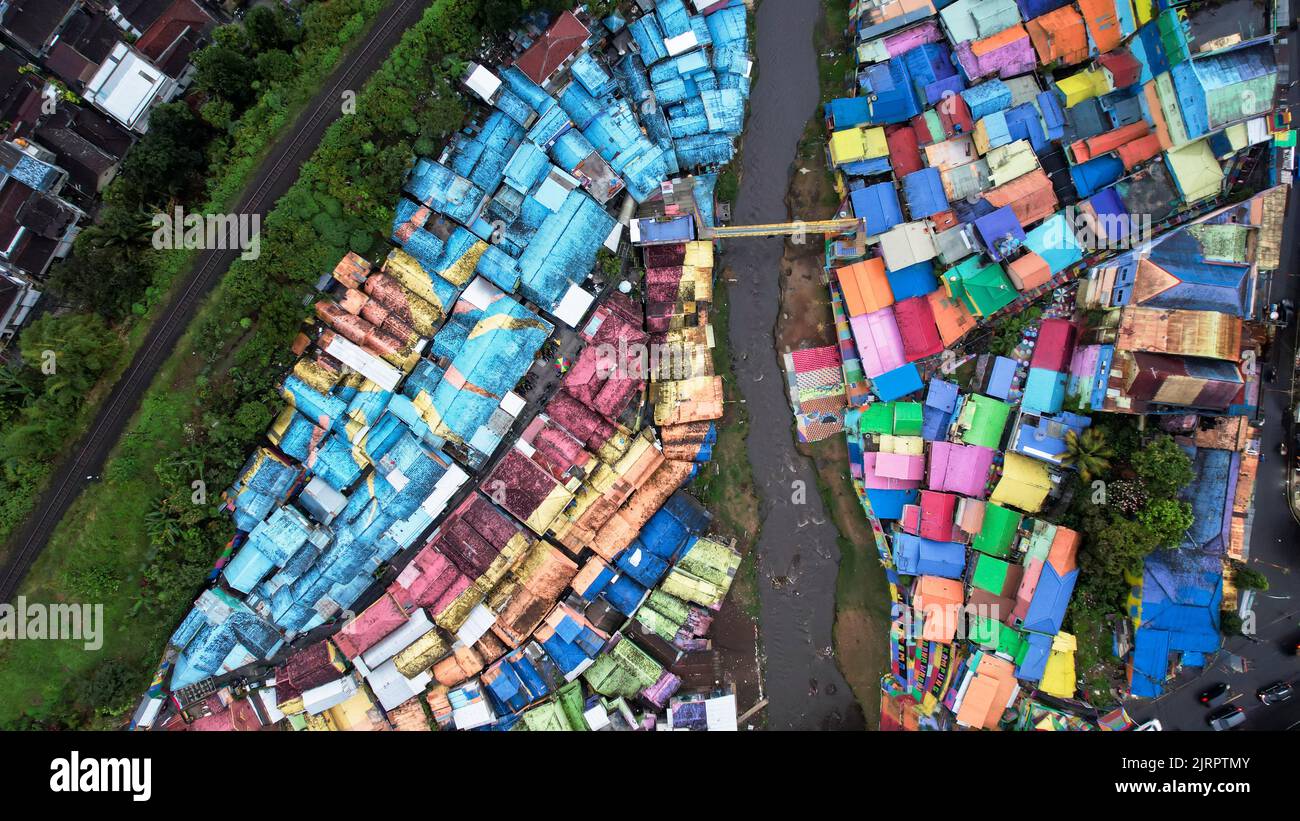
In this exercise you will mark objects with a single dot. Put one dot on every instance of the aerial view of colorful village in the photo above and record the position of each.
(790, 365)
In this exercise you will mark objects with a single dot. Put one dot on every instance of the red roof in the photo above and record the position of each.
(904, 155)
(813, 359)
(1123, 67)
(560, 42)
(1055, 345)
(938, 511)
(180, 17)
(917, 326)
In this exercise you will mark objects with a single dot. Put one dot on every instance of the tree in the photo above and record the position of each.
(226, 73)
(268, 28)
(1248, 578)
(1163, 467)
(168, 159)
(1090, 453)
(1167, 520)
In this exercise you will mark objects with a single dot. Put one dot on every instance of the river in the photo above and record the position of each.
(798, 557)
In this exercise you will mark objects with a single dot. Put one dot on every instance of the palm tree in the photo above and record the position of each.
(1090, 453)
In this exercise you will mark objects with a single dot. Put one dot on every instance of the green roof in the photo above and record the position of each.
(907, 418)
(989, 290)
(878, 418)
(548, 717)
(998, 531)
(984, 420)
(997, 637)
(983, 288)
(990, 574)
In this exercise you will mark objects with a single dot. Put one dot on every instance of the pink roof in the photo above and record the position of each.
(1025, 593)
(937, 512)
(366, 630)
(1055, 345)
(962, 469)
(880, 345)
(910, 467)
(874, 480)
(590, 428)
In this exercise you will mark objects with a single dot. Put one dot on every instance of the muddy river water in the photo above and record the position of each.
(797, 552)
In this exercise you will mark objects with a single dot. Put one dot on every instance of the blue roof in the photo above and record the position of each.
(888, 504)
(915, 556)
(895, 99)
(1000, 232)
(1051, 597)
(1211, 497)
(1044, 391)
(1095, 174)
(936, 413)
(987, 97)
(1054, 240)
(1001, 376)
(924, 192)
(878, 206)
(1038, 650)
(848, 112)
(592, 75)
(912, 280)
(897, 383)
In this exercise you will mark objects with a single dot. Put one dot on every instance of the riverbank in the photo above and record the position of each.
(798, 546)
(861, 593)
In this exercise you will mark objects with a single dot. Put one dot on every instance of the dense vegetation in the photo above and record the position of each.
(198, 161)
(146, 538)
(1126, 508)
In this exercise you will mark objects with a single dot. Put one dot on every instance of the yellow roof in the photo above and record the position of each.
(1024, 483)
(857, 144)
(1059, 675)
(908, 445)
(1082, 86)
(1196, 171)
(1011, 161)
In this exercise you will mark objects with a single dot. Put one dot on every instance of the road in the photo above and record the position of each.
(278, 172)
(1274, 546)
(798, 552)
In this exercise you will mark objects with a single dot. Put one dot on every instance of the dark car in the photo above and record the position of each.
(1216, 695)
(1276, 693)
(1226, 717)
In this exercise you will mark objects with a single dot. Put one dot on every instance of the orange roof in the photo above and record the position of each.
(1103, 25)
(1030, 196)
(1059, 35)
(1003, 38)
(1063, 553)
(939, 602)
(866, 287)
(1153, 110)
(951, 317)
(1086, 149)
(1139, 150)
(1029, 272)
(988, 693)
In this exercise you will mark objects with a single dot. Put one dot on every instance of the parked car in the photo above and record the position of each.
(1276, 693)
(1216, 695)
(1226, 717)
